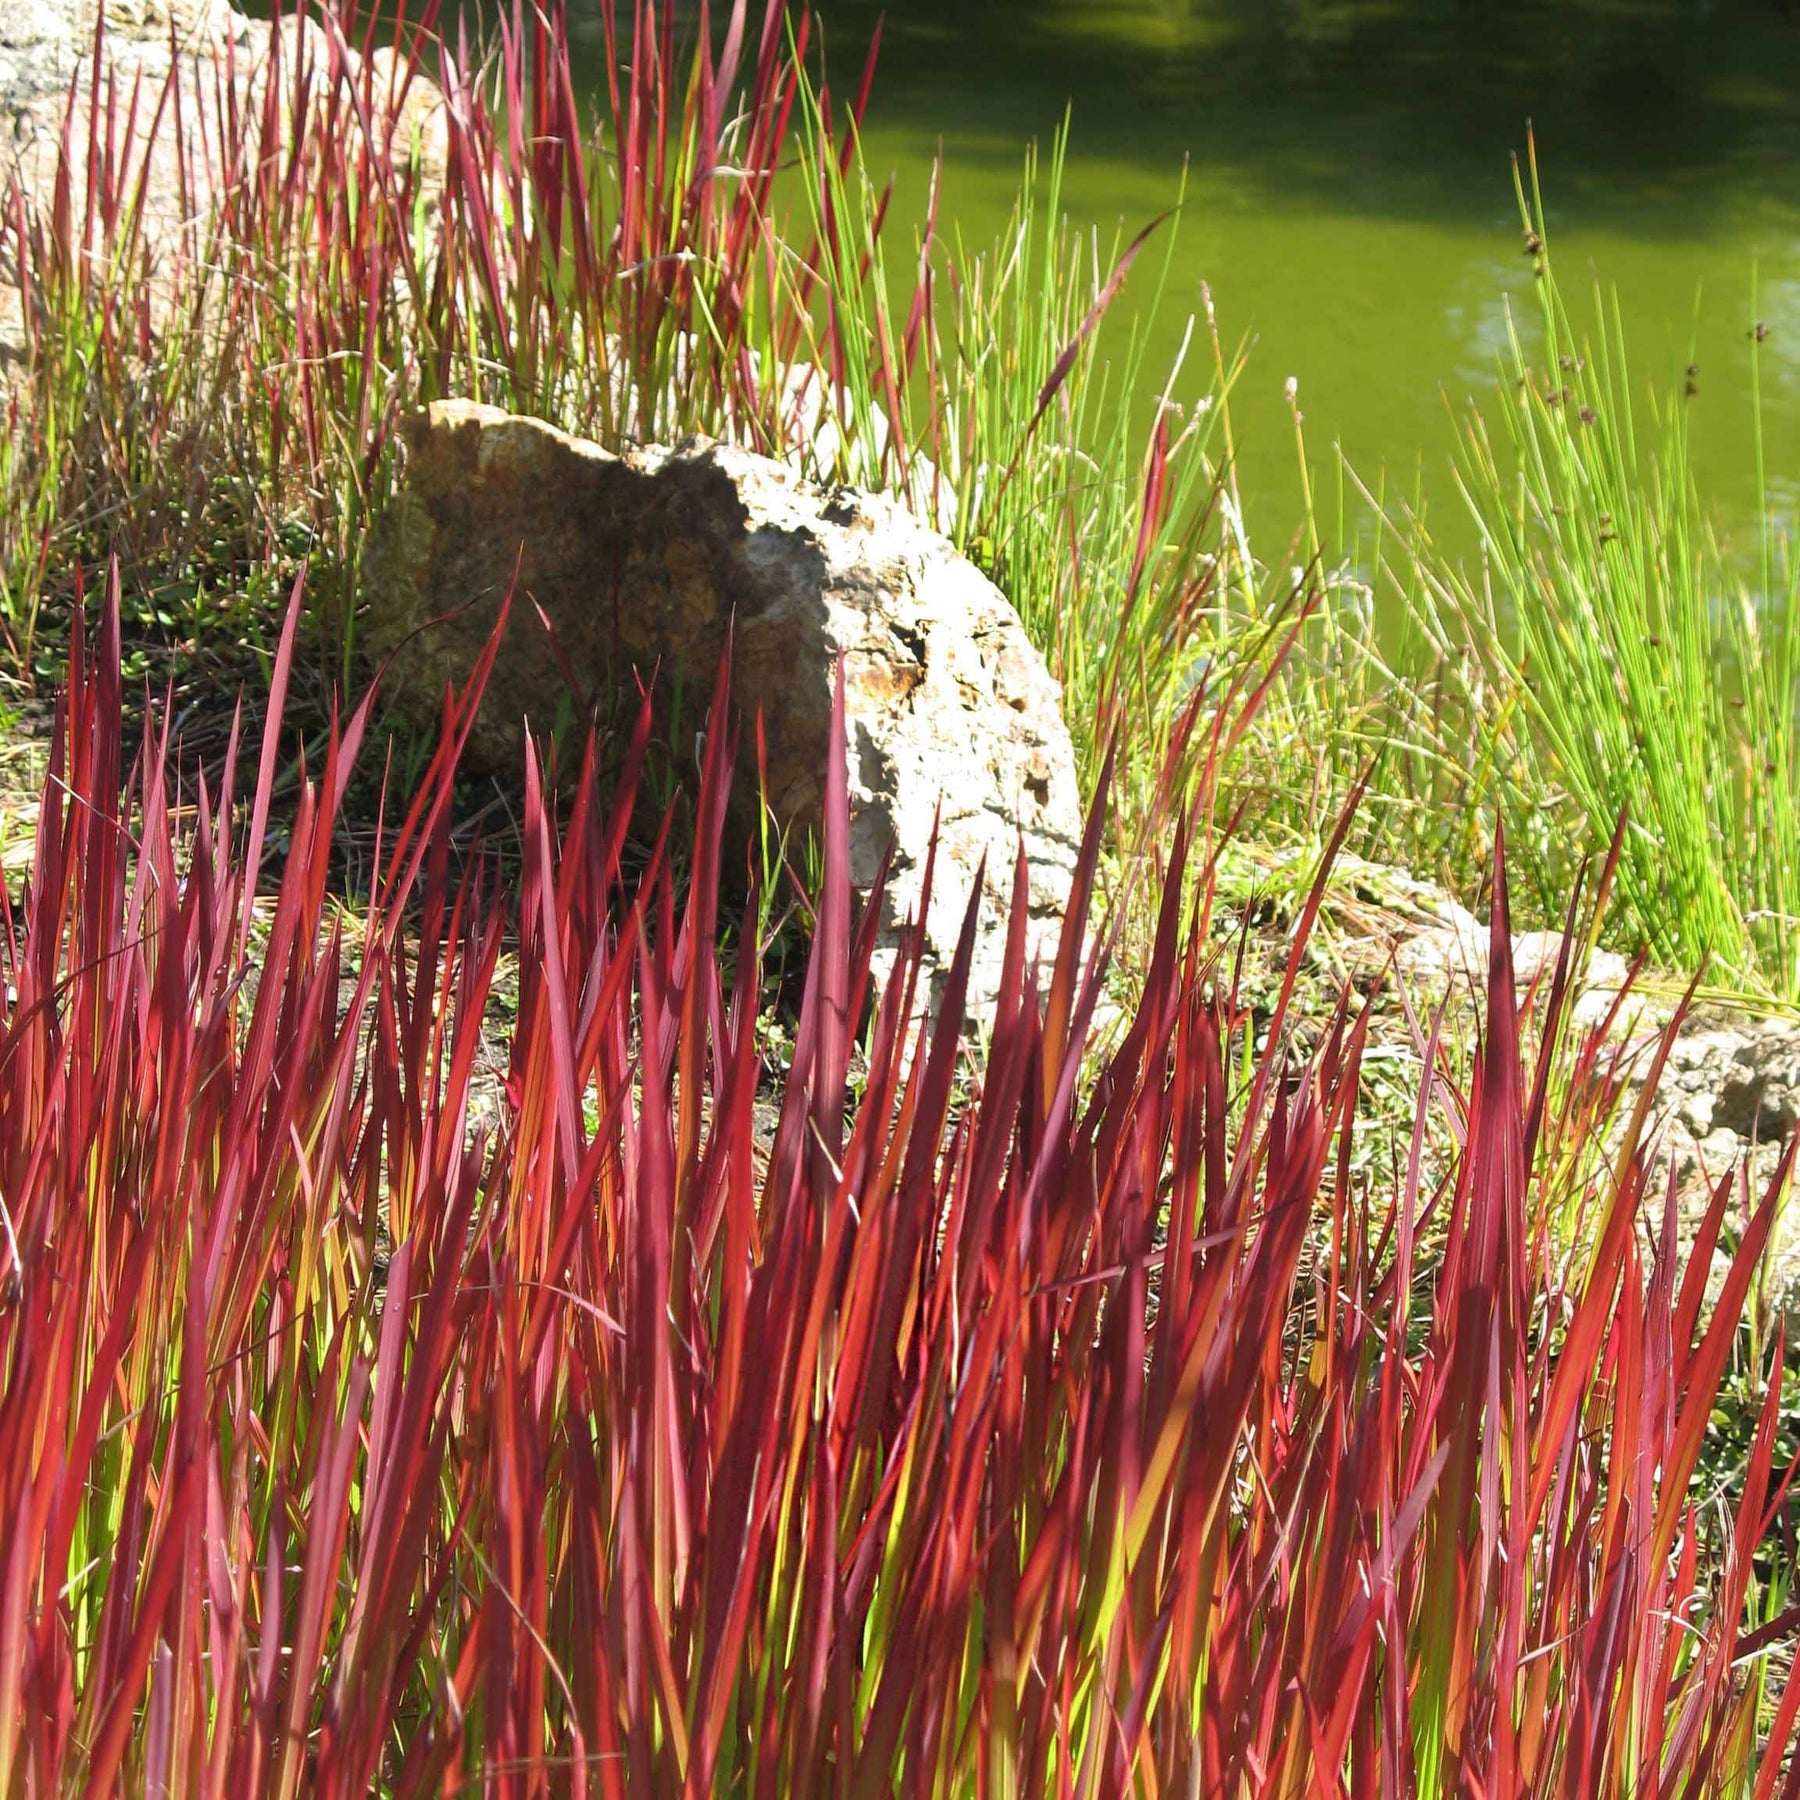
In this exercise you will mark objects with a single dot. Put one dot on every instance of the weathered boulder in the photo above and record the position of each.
(640, 563)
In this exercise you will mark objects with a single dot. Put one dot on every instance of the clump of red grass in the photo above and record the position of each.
(378, 1417)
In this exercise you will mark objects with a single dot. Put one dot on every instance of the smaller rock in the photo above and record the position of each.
(1455, 952)
(1758, 1098)
(1742, 1079)
(1597, 986)
(1729, 1096)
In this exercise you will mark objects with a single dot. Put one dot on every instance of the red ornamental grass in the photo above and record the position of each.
(374, 1420)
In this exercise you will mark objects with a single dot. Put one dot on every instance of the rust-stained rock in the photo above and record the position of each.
(640, 562)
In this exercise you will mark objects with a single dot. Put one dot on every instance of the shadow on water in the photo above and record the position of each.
(1397, 108)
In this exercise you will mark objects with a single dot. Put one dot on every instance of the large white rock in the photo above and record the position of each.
(640, 562)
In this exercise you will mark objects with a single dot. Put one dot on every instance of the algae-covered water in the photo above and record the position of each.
(1349, 195)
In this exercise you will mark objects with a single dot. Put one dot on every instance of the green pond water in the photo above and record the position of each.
(1349, 195)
